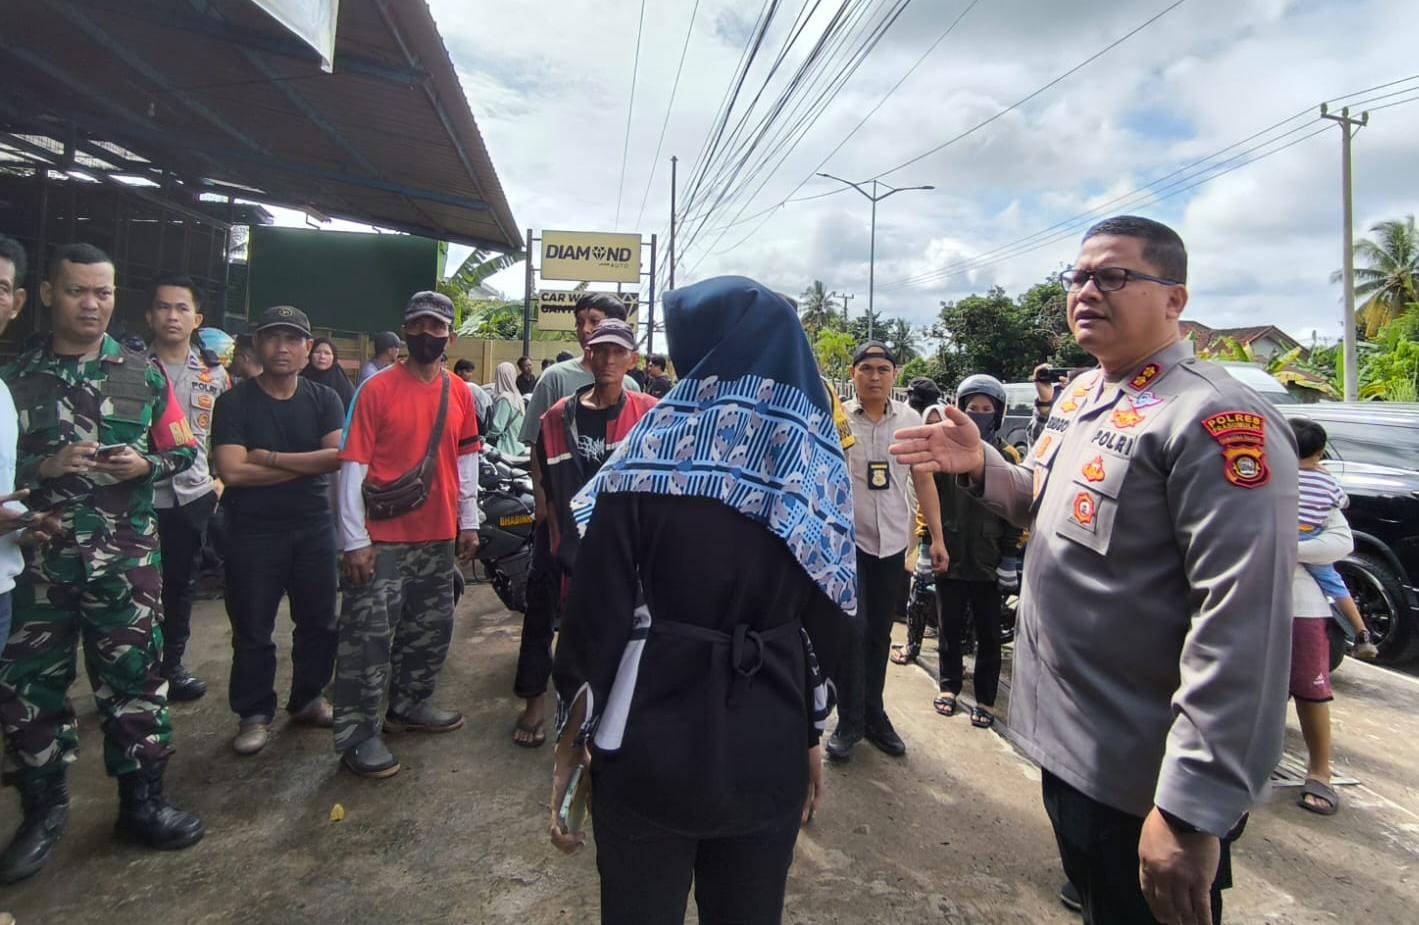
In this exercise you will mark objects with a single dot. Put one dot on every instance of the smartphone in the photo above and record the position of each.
(108, 449)
(573, 811)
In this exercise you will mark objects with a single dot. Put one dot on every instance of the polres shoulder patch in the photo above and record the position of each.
(1242, 435)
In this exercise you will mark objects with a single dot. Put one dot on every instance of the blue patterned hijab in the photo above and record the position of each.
(750, 424)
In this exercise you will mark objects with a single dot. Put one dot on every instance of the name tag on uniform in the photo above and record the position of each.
(879, 476)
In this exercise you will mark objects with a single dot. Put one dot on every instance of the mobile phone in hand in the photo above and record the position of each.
(1053, 374)
(573, 809)
(108, 450)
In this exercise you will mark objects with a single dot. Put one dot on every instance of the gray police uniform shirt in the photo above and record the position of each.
(1153, 645)
(196, 386)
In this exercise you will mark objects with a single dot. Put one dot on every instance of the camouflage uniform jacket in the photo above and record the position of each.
(109, 526)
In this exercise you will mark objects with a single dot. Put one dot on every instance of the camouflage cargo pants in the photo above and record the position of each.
(113, 619)
(394, 634)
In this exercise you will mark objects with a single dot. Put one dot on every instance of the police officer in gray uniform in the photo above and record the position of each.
(186, 501)
(1153, 644)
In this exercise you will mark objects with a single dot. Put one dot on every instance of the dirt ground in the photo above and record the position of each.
(954, 832)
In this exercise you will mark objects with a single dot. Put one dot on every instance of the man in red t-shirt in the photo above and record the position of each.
(398, 562)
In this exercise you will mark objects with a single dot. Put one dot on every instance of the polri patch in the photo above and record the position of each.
(1242, 435)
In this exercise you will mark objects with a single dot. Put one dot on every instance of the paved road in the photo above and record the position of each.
(951, 833)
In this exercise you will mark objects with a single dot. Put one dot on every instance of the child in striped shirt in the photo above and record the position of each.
(1320, 494)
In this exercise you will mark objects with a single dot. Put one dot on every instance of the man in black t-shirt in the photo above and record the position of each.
(275, 439)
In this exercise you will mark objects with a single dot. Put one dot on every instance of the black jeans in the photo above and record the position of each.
(261, 568)
(982, 598)
(1099, 848)
(864, 669)
(544, 593)
(180, 533)
(646, 874)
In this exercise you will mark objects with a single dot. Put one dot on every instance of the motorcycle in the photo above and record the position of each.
(506, 506)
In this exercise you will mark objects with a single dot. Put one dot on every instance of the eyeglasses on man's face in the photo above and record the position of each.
(1108, 279)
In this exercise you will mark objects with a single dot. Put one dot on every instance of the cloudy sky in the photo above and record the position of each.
(551, 97)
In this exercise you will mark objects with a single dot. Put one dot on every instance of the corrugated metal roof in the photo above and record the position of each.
(215, 89)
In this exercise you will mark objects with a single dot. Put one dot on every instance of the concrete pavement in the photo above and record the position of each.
(953, 832)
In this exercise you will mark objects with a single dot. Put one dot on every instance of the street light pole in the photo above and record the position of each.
(875, 198)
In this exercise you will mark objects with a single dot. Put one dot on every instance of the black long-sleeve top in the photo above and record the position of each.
(662, 588)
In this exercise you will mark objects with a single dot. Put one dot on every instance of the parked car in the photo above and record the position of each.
(1374, 454)
(1019, 406)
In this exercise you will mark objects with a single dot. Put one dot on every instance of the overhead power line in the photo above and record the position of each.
(630, 107)
(669, 107)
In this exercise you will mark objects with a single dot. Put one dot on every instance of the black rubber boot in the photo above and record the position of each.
(146, 817)
(182, 685)
(45, 801)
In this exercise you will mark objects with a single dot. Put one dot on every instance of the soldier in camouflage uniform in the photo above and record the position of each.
(399, 567)
(98, 425)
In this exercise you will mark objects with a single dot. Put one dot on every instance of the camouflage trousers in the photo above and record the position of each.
(394, 634)
(113, 618)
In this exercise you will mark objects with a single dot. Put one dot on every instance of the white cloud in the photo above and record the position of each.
(550, 100)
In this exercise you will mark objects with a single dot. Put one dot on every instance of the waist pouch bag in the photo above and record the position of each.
(408, 492)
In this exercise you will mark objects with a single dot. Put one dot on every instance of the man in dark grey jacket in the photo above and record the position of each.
(1153, 644)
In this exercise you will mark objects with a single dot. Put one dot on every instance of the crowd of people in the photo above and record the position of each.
(717, 564)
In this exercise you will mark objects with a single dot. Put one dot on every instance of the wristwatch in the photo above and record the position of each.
(1043, 405)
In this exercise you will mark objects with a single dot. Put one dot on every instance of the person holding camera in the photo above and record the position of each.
(408, 493)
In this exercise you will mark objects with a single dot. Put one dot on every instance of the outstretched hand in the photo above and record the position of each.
(953, 446)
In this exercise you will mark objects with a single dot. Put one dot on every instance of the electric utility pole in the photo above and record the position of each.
(844, 298)
(1348, 128)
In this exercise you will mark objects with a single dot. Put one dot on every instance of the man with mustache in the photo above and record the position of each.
(1152, 650)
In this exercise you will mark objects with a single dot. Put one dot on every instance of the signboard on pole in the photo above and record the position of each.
(591, 256)
(555, 308)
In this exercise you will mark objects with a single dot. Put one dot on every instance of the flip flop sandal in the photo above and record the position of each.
(900, 655)
(945, 705)
(538, 736)
(1318, 791)
(981, 718)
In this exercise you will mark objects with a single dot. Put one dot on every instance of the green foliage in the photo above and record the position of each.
(1391, 372)
(834, 350)
(1387, 274)
(1005, 337)
(816, 308)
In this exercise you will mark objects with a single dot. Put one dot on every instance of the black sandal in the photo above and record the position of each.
(536, 735)
(981, 718)
(945, 704)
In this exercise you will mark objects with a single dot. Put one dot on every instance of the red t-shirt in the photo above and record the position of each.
(391, 418)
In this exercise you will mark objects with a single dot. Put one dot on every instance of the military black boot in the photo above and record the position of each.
(45, 801)
(182, 685)
(144, 816)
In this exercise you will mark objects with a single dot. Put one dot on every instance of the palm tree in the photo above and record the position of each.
(1391, 280)
(815, 307)
(902, 339)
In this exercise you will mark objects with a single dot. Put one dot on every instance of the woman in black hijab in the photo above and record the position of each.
(324, 368)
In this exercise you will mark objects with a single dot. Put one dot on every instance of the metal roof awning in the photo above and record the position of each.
(215, 96)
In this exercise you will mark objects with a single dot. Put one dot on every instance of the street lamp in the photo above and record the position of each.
(875, 198)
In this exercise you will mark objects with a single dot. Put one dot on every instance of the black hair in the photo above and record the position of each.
(563, 356)
(246, 343)
(521, 360)
(546, 363)
(1310, 437)
(13, 251)
(181, 281)
(83, 254)
(1162, 247)
(317, 342)
(463, 364)
(608, 305)
(656, 359)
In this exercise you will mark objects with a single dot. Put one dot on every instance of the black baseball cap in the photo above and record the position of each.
(431, 304)
(874, 350)
(283, 316)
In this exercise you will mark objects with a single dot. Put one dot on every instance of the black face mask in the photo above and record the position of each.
(985, 422)
(425, 348)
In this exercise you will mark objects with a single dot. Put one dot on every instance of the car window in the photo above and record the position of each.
(1262, 381)
(1020, 398)
(1374, 445)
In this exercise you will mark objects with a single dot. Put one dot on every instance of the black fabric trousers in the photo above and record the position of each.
(864, 666)
(982, 600)
(180, 533)
(262, 568)
(646, 874)
(1099, 848)
(544, 594)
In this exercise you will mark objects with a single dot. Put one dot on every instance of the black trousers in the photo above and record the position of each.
(544, 593)
(262, 568)
(864, 669)
(982, 600)
(1099, 848)
(180, 533)
(646, 875)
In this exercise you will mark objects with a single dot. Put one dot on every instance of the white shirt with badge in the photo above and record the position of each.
(882, 510)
